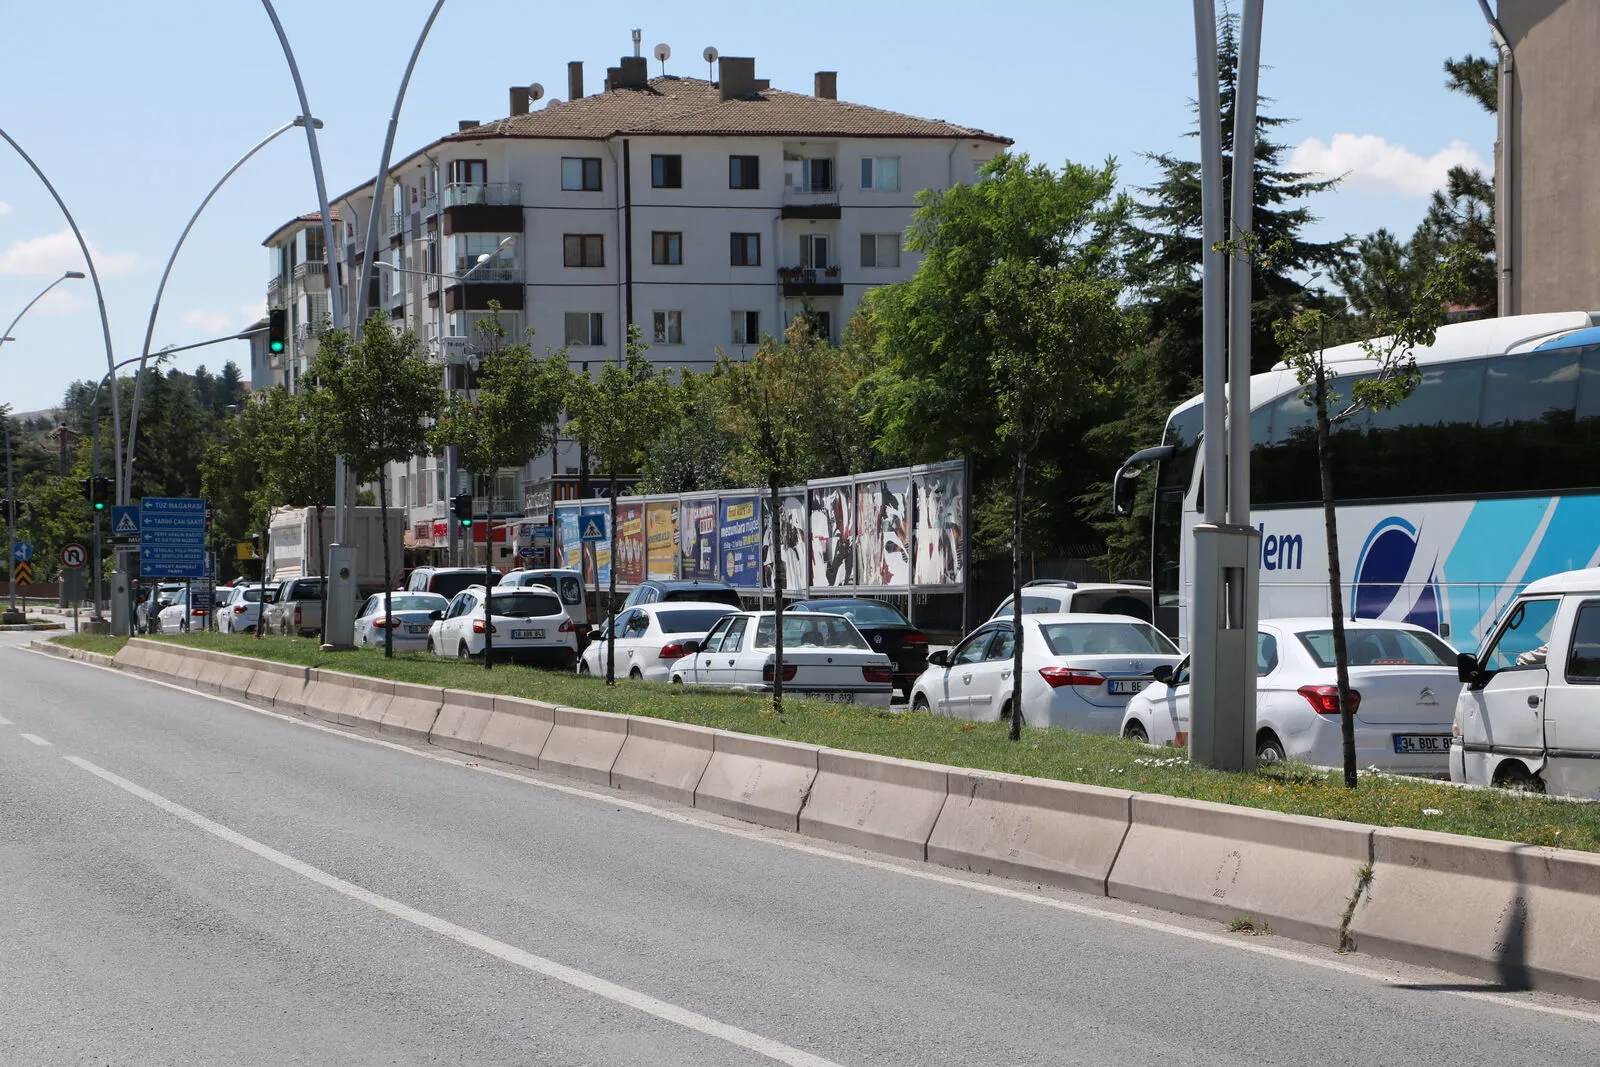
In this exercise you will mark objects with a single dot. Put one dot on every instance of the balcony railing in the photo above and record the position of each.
(474, 274)
(274, 287)
(459, 193)
(315, 266)
(812, 193)
(809, 275)
(430, 204)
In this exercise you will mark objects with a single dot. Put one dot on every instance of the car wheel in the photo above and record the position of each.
(1005, 713)
(432, 651)
(1268, 748)
(461, 651)
(1136, 732)
(1513, 775)
(677, 679)
(636, 675)
(919, 703)
(583, 667)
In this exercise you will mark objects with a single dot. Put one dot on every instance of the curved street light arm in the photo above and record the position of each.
(100, 298)
(383, 175)
(155, 306)
(6, 335)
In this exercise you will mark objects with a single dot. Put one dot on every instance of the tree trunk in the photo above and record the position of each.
(611, 587)
(777, 599)
(488, 573)
(1341, 658)
(1016, 596)
(322, 566)
(383, 520)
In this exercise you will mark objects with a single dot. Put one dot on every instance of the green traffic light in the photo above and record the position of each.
(99, 505)
(276, 346)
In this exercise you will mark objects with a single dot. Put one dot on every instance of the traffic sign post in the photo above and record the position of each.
(125, 524)
(594, 528)
(172, 537)
(21, 573)
(74, 556)
(22, 552)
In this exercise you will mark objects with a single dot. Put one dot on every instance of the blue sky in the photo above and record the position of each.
(134, 110)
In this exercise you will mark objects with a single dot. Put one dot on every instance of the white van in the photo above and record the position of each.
(567, 584)
(1529, 713)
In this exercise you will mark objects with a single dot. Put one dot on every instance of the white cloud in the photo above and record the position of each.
(57, 252)
(214, 322)
(1368, 161)
(5, 208)
(253, 312)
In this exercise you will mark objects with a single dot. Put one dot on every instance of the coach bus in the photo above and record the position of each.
(1484, 479)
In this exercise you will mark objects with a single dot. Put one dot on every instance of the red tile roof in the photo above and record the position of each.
(313, 217)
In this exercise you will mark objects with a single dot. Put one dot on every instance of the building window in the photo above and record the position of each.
(580, 175)
(668, 327)
(666, 172)
(585, 328)
(880, 173)
(880, 250)
(745, 249)
(814, 251)
(583, 250)
(666, 248)
(469, 171)
(746, 327)
(744, 172)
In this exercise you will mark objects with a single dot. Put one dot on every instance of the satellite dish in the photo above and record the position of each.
(535, 92)
(663, 52)
(710, 54)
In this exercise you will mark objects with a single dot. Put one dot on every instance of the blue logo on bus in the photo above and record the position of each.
(1382, 570)
(1281, 552)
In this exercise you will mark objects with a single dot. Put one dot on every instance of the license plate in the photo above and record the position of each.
(416, 629)
(527, 635)
(1128, 685)
(1432, 744)
(837, 698)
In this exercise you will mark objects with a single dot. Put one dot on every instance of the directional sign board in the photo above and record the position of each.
(21, 573)
(22, 552)
(73, 556)
(172, 537)
(125, 524)
(594, 527)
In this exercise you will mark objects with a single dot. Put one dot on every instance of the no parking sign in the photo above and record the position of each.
(73, 555)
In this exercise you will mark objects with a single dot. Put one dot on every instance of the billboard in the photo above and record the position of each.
(569, 542)
(599, 551)
(791, 540)
(661, 539)
(883, 541)
(629, 541)
(697, 537)
(938, 498)
(739, 537)
(831, 527)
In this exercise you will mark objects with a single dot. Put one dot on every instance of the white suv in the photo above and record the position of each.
(529, 625)
(1054, 596)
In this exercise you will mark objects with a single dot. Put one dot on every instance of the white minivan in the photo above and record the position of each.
(1529, 713)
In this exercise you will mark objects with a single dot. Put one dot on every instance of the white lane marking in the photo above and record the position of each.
(36, 739)
(1234, 943)
(571, 976)
(6, 722)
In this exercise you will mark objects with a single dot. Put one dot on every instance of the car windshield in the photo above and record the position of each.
(525, 603)
(413, 602)
(1106, 638)
(865, 612)
(689, 620)
(1372, 647)
(810, 631)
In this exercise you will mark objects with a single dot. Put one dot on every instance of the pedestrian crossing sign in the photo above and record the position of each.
(594, 527)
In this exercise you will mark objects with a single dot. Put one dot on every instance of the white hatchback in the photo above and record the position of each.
(529, 625)
(824, 658)
(239, 609)
(1404, 689)
(651, 637)
(1078, 671)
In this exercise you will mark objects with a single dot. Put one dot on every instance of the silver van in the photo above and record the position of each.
(567, 584)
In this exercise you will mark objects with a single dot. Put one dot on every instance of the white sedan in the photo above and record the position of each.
(178, 618)
(528, 625)
(824, 656)
(1078, 671)
(1403, 682)
(651, 637)
(410, 618)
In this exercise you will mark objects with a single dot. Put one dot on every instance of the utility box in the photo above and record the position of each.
(1222, 646)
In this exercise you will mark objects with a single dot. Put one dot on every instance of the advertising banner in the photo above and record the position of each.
(697, 537)
(739, 534)
(791, 540)
(569, 542)
(599, 551)
(831, 524)
(661, 539)
(883, 547)
(940, 534)
(629, 540)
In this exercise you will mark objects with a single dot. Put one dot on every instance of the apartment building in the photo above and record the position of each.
(298, 283)
(709, 213)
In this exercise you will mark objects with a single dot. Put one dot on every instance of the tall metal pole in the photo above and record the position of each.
(1241, 265)
(11, 512)
(155, 305)
(1213, 359)
(6, 335)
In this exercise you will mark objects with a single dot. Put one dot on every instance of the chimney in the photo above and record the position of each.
(633, 74)
(519, 100)
(737, 76)
(466, 124)
(575, 80)
(827, 85)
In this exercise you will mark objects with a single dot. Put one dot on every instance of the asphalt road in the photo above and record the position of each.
(188, 881)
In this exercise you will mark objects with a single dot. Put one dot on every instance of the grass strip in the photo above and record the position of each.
(1382, 800)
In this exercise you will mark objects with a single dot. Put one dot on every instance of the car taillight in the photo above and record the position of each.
(384, 624)
(566, 627)
(238, 609)
(1324, 699)
(477, 627)
(297, 615)
(914, 638)
(673, 651)
(199, 611)
(788, 672)
(1056, 677)
(877, 675)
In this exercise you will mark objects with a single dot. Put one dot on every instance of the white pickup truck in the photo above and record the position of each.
(1529, 714)
(294, 607)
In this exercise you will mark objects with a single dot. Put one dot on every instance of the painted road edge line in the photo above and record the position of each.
(571, 976)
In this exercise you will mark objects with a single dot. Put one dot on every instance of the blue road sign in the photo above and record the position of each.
(23, 552)
(172, 537)
(125, 522)
(594, 527)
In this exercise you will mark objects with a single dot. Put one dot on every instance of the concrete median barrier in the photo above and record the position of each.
(517, 731)
(411, 711)
(757, 779)
(662, 758)
(875, 802)
(279, 685)
(192, 663)
(1054, 833)
(1517, 916)
(584, 744)
(139, 657)
(363, 700)
(461, 721)
(1292, 872)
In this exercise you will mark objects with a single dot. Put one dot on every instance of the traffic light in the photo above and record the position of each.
(97, 491)
(461, 508)
(277, 330)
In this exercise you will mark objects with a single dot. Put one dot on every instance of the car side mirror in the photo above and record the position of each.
(941, 658)
(435, 615)
(1163, 673)
(1467, 670)
(691, 647)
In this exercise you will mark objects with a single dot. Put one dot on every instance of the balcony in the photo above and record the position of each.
(483, 208)
(811, 281)
(314, 266)
(471, 287)
(274, 288)
(495, 194)
(810, 200)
